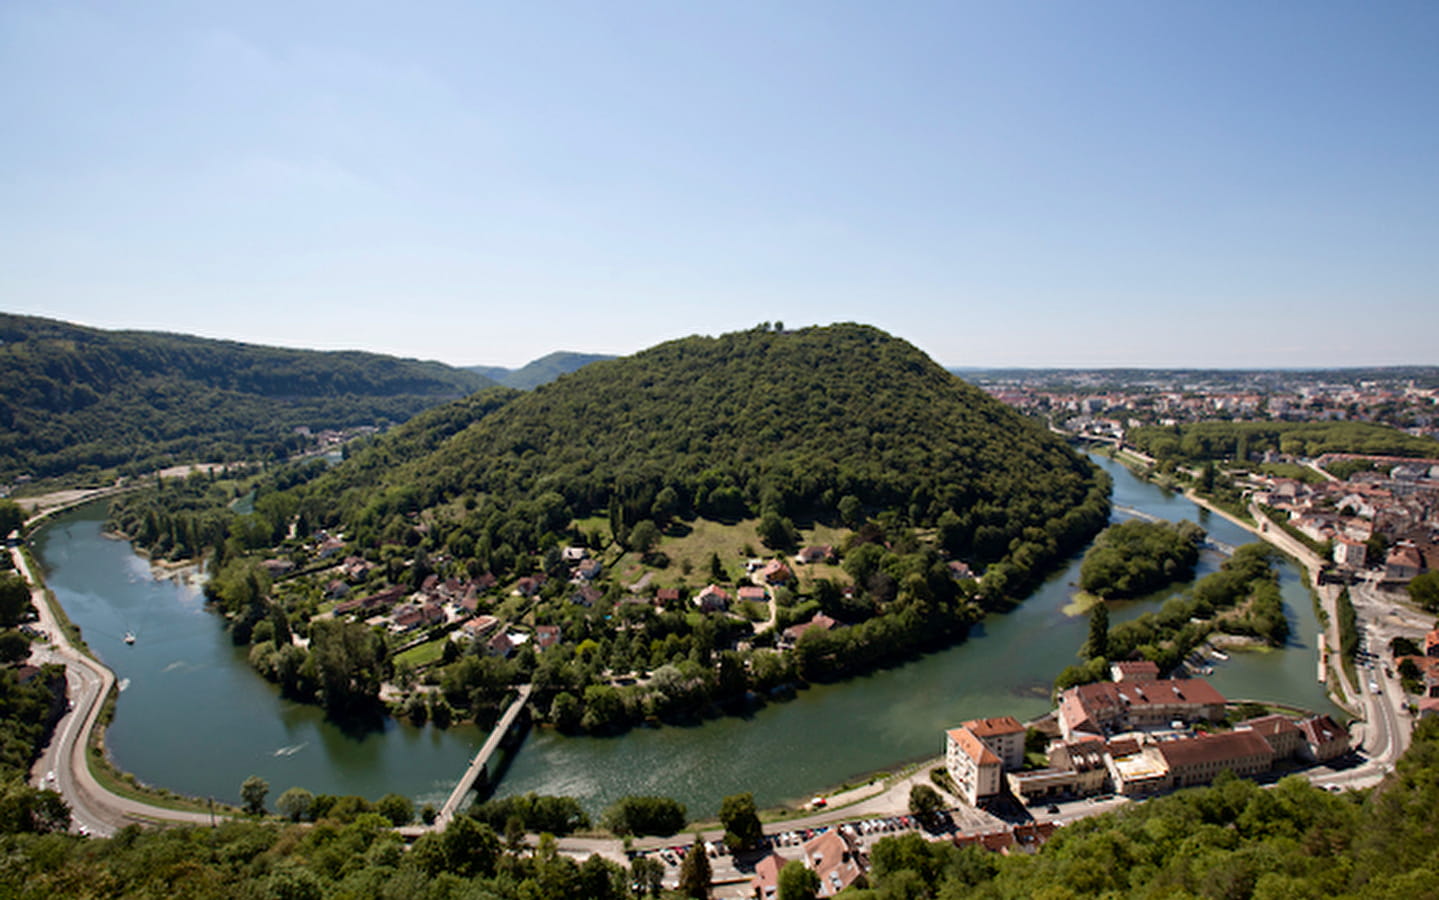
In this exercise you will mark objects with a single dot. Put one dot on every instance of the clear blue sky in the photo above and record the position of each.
(1039, 184)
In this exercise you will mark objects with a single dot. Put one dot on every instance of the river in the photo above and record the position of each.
(196, 719)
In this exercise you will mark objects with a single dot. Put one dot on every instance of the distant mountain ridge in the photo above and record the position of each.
(540, 371)
(78, 397)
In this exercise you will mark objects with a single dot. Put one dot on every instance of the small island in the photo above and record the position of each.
(1136, 557)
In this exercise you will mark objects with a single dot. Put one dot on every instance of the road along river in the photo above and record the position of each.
(193, 716)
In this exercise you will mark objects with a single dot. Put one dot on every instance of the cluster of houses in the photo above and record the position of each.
(1401, 505)
(1168, 402)
(1131, 736)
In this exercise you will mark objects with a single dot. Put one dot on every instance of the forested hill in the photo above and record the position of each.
(78, 397)
(837, 422)
(541, 371)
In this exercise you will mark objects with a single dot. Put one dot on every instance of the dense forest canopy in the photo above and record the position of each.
(827, 422)
(1249, 440)
(1136, 557)
(81, 397)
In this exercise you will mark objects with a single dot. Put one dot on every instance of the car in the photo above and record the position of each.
(1052, 810)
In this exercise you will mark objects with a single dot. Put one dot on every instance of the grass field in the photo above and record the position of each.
(423, 654)
(734, 544)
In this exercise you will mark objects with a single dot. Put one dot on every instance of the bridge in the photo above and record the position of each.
(479, 765)
(1137, 513)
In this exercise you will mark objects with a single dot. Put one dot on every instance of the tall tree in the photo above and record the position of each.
(253, 793)
(798, 882)
(742, 829)
(1097, 644)
(695, 873)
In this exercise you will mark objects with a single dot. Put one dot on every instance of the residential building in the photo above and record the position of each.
(1284, 736)
(835, 859)
(1323, 739)
(1108, 707)
(712, 598)
(1004, 736)
(975, 769)
(1197, 759)
(1403, 564)
(1349, 552)
(1134, 670)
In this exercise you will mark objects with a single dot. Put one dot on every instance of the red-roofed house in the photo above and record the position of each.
(833, 858)
(776, 572)
(753, 594)
(1134, 670)
(1323, 739)
(1403, 564)
(817, 554)
(1282, 733)
(546, 636)
(1004, 736)
(1107, 707)
(1197, 759)
(792, 634)
(712, 598)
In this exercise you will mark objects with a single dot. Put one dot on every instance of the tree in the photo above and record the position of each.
(695, 872)
(296, 804)
(742, 829)
(14, 647)
(798, 882)
(471, 848)
(644, 815)
(11, 517)
(397, 808)
(1424, 590)
(926, 804)
(1096, 646)
(252, 794)
(14, 599)
(647, 874)
(644, 537)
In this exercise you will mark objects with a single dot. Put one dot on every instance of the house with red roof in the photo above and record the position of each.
(836, 860)
(1107, 707)
(1323, 739)
(776, 572)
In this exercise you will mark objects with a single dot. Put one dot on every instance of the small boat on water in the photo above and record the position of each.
(129, 637)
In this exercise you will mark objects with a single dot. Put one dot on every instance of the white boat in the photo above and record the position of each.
(129, 637)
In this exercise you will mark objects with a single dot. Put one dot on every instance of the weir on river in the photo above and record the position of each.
(198, 720)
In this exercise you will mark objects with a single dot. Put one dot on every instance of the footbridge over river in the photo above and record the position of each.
(1226, 548)
(478, 767)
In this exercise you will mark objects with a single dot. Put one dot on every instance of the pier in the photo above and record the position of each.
(478, 766)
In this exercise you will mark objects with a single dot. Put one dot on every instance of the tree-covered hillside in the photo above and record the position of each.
(829, 422)
(541, 371)
(77, 397)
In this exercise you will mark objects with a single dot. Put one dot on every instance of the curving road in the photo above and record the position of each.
(63, 765)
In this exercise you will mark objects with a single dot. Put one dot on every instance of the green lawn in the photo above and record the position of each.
(423, 654)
